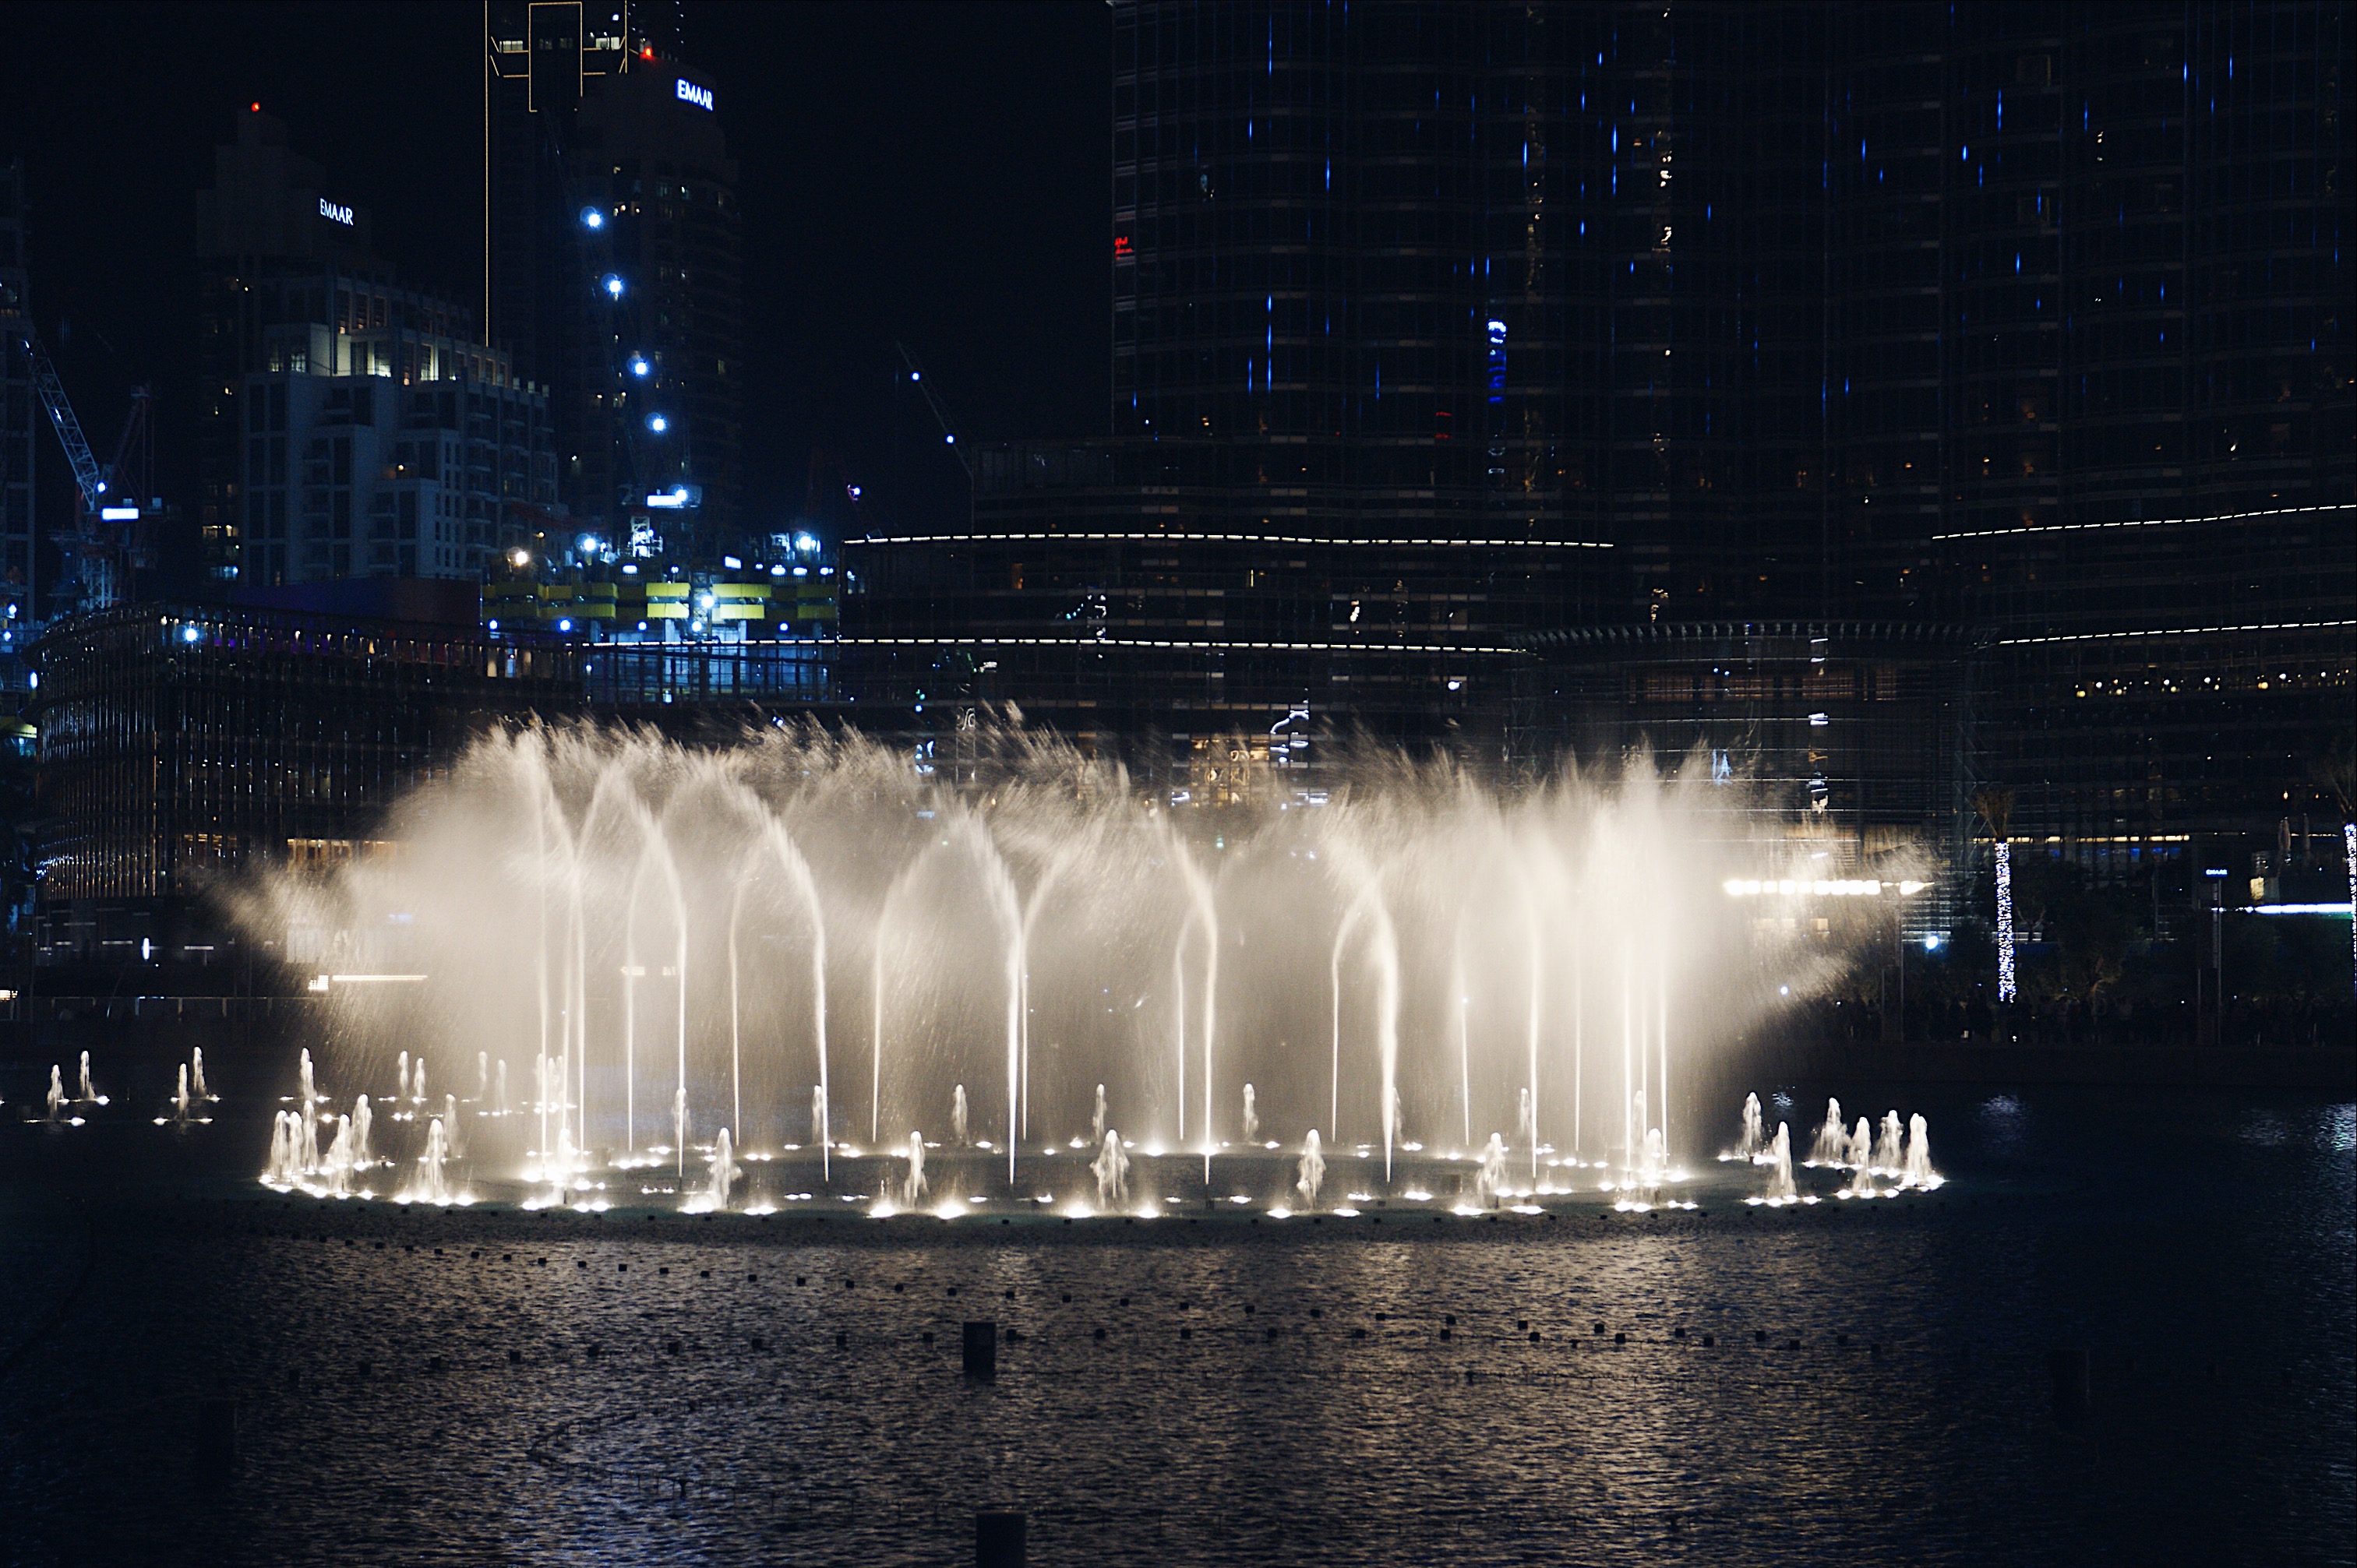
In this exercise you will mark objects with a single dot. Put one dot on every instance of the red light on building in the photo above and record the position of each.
(254, 107)
(1121, 246)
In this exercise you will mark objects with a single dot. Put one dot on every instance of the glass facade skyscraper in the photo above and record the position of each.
(1454, 345)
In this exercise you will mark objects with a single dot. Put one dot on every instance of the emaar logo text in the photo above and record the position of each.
(691, 93)
(335, 214)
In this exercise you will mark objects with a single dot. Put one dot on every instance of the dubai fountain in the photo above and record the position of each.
(750, 974)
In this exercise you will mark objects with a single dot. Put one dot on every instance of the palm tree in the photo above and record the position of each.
(1994, 805)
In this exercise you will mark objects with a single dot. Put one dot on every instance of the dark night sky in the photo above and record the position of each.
(935, 174)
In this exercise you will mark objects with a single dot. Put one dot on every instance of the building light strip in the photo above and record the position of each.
(1229, 539)
(2142, 522)
(1150, 643)
(2182, 631)
(2343, 910)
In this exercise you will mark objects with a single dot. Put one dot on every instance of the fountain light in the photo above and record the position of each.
(1280, 1212)
(1239, 1197)
(1527, 1208)
(949, 1208)
(1417, 1195)
(1346, 1213)
(1078, 1210)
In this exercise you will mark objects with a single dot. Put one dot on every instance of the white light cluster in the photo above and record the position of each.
(1787, 887)
(2005, 988)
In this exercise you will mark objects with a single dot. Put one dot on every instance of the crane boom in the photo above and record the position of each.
(88, 477)
(933, 402)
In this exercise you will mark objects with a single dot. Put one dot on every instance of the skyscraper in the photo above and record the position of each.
(348, 424)
(613, 264)
(1463, 354)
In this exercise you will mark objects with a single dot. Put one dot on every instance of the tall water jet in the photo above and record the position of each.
(1491, 1180)
(1111, 1167)
(499, 1089)
(1751, 1145)
(679, 1126)
(913, 1185)
(363, 1124)
(88, 1096)
(1781, 1188)
(433, 1187)
(821, 1133)
(1311, 1174)
(1525, 1125)
(957, 1117)
(482, 1077)
(1252, 1116)
(1458, 1003)
(307, 1143)
(197, 1071)
(450, 1120)
(57, 1091)
(307, 1094)
(181, 1096)
(282, 1170)
(1833, 1140)
(1860, 1160)
(340, 1159)
(1889, 1158)
(1919, 1173)
(1097, 1118)
(1207, 915)
(789, 855)
(403, 1092)
(724, 1172)
(1657, 1165)
(417, 1081)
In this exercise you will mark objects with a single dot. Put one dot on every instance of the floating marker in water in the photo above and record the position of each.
(999, 1540)
(979, 1348)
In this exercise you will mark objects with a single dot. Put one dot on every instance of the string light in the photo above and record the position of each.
(2004, 919)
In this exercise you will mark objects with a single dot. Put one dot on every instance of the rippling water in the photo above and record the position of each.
(620, 1388)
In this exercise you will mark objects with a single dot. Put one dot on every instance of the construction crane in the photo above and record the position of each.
(932, 401)
(99, 552)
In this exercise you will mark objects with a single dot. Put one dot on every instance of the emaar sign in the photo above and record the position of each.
(333, 213)
(688, 93)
